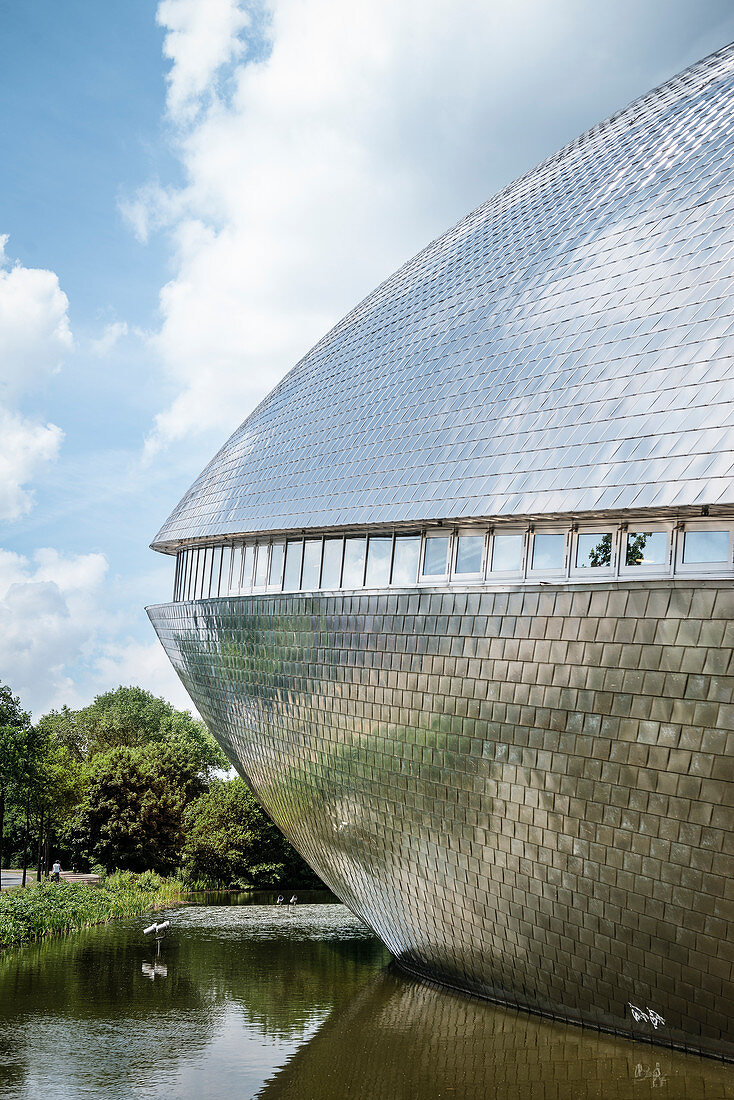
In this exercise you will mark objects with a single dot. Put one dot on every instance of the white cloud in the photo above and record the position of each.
(324, 143)
(34, 336)
(25, 448)
(200, 39)
(61, 642)
(144, 664)
(112, 334)
(49, 618)
(34, 326)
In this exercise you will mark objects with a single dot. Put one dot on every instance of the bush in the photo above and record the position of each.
(231, 842)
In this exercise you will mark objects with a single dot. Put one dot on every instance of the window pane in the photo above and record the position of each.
(311, 564)
(261, 566)
(405, 559)
(594, 551)
(469, 553)
(379, 550)
(706, 546)
(331, 568)
(277, 553)
(216, 566)
(353, 576)
(548, 551)
(437, 550)
(247, 568)
(292, 579)
(507, 553)
(226, 567)
(646, 548)
(200, 560)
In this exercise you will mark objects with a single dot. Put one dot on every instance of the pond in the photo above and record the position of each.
(249, 999)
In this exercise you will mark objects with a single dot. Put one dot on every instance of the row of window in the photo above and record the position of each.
(376, 561)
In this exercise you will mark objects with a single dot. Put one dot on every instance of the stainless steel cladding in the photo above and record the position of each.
(515, 760)
(566, 348)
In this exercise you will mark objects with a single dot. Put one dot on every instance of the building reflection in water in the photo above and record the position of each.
(407, 1040)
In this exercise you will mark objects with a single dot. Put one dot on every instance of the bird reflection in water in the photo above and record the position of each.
(407, 1040)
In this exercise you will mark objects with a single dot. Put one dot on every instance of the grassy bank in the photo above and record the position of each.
(52, 907)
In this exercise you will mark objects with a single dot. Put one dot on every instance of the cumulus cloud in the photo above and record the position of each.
(323, 143)
(61, 642)
(49, 618)
(25, 448)
(34, 336)
(200, 39)
(34, 326)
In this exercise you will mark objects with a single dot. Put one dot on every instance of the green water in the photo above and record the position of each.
(253, 1000)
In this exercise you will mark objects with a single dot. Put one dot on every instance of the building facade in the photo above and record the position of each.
(457, 597)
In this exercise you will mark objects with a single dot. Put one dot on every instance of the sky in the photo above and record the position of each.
(192, 193)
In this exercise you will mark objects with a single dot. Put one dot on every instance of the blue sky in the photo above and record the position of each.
(192, 193)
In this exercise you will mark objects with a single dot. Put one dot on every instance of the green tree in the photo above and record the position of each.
(14, 726)
(130, 717)
(135, 803)
(230, 841)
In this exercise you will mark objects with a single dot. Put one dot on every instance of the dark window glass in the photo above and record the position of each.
(293, 554)
(646, 548)
(706, 546)
(379, 551)
(405, 559)
(311, 565)
(507, 553)
(469, 552)
(277, 553)
(436, 555)
(353, 574)
(548, 551)
(594, 551)
(331, 568)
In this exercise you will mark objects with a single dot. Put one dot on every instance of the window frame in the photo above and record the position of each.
(418, 535)
(707, 567)
(435, 578)
(276, 585)
(475, 577)
(654, 569)
(507, 574)
(538, 572)
(590, 572)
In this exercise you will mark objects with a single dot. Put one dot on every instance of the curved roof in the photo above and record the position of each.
(567, 347)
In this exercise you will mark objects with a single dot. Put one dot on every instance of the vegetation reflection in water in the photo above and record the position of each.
(257, 1000)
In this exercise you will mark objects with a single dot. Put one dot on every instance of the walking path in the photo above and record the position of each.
(14, 877)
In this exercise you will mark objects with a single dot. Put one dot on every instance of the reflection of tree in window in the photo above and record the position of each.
(636, 548)
(601, 554)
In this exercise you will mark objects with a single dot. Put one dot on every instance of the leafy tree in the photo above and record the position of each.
(135, 803)
(230, 841)
(130, 717)
(14, 726)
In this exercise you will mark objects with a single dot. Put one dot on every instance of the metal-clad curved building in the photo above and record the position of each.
(457, 596)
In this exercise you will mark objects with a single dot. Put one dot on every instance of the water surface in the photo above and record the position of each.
(256, 1000)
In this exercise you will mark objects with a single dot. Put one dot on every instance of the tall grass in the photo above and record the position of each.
(53, 907)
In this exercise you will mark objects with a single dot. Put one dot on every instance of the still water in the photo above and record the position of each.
(252, 1000)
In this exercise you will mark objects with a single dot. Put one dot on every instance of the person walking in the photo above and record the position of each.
(56, 871)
